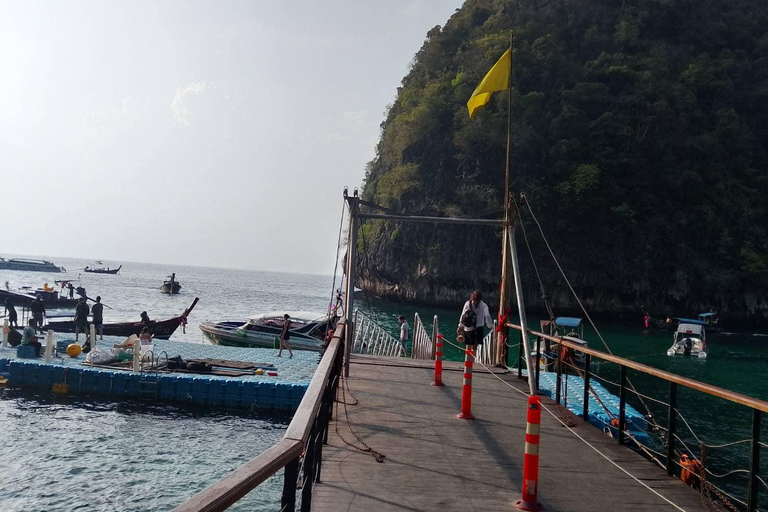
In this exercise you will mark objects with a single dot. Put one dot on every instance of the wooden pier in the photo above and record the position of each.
(434, 461)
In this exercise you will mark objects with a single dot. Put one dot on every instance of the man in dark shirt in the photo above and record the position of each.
(97, 312)
(71, 290)
(11, 312)
(81, 318)
(145, 318)
(38, 312)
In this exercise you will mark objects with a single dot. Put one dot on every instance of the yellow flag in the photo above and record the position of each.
(497, 79)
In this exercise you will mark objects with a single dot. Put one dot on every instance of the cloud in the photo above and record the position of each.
(184, 98)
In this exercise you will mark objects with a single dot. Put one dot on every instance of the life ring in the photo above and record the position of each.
(691, 472)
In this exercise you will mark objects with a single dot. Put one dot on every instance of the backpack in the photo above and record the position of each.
(469, 318)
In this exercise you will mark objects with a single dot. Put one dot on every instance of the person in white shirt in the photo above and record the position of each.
(473, 317)
(404, 335)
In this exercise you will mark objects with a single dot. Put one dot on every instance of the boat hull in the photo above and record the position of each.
(25, 299)
(166, 288)
(111, 271)
(161, 330)
(230, 334)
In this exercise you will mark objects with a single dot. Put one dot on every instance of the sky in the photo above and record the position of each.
(196, 133)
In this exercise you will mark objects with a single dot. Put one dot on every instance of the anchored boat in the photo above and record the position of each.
(307, 332)
(161, 329)
(690, 339)
(29, 265)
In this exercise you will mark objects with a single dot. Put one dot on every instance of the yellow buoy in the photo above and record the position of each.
(73, 350)
(259, 372)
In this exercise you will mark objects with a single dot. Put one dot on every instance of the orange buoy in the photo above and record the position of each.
(73, 350)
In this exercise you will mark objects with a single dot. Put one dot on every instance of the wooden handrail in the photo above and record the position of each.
(301, 424)
(225, 492)
(709, 389)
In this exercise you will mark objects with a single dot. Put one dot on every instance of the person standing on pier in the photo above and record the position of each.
(473, 317)
(71, 289)
(405, 335)
(97, 312)
(38, 312)
(81, 318)
(10, 311)
(285, 336)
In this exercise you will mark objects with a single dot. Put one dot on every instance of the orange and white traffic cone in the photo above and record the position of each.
(466, 393)
(531, 461)
(438, 361)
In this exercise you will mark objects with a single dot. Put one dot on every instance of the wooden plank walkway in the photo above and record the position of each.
(437, 462)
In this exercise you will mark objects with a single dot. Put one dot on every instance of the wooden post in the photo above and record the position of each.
(6, 331)
(93, 336)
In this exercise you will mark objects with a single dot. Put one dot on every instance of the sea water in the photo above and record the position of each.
(78, 453)
(87, 453)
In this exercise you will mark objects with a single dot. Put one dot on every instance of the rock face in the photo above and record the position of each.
(639, 143)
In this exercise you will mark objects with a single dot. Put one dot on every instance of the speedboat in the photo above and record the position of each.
(307, 332)
(690, 339)
(565, 327)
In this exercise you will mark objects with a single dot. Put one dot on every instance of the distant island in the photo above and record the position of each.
(639, 138)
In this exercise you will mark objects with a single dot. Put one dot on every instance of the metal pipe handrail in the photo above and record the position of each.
(286, 452)
(433, 220)
(709, 389)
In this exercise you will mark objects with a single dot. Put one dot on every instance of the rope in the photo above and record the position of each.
(378, 456)
(546, 408)
(570, 287)
(533, 261)
(338, 250)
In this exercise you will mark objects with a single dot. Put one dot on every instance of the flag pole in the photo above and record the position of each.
(511, 217)
(502, 340)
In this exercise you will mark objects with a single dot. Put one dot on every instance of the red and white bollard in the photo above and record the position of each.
(531, 461)
(438, 361)
(466, 393)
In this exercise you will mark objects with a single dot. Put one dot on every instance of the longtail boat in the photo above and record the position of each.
(103, 270)
(161, 329)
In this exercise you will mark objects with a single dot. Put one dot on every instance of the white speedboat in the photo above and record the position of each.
(690, 339)
(307, 332)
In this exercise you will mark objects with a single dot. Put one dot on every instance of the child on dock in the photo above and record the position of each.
(285, 336)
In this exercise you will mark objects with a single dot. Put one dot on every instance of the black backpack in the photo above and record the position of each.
(469, 318)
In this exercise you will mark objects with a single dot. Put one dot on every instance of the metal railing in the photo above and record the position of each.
(757, 407)
(486, 351)
(301, 446)
(423, 346)
(371, 338)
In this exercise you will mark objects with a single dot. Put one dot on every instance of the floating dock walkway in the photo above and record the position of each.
(434, 461)
(280, 387)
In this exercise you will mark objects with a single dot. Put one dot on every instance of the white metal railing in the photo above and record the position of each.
(371, 338)
(486, 351)
(423, 346)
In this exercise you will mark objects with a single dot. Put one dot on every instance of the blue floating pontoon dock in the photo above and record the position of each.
(603, 406)
(283, 391)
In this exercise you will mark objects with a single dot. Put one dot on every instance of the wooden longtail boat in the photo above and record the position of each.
(162, 329)
(103, 270)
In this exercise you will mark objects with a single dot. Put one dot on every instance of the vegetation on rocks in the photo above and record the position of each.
(639, 138)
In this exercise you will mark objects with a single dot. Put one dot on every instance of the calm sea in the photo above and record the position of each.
(79, 454)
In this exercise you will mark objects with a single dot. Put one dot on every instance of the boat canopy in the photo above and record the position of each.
(707, 315)
(687, 328)
(691, 321)
(296, 316)
(567, 321)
